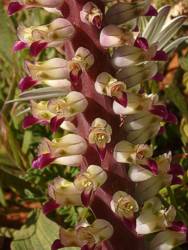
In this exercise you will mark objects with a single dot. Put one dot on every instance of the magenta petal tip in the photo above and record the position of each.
(86, 197)
(29, 121)
(56, 245)
(19, 45)
(14, 7)
(26, 83)
(42, 161)
(37, 47)
(151, 11)
(141, 43)
(49, 207)
(55, 123)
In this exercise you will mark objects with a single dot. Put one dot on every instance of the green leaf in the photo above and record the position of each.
(38, 233)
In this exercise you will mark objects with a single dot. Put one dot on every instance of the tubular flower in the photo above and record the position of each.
(105, 121)
(39, 37)
(138, 155)
(154, 217)
(89, 181)
(100, 135)
(81, 61)
(124, 205)
(149, 185)
(91, 14)
(85, 236)
(55, 111)
(169, 239)
(18, 5)
(67, 150)
(107, 85)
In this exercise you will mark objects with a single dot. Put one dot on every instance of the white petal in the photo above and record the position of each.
(137, 174)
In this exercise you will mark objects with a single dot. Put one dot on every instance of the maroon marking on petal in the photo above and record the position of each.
(101, 152)
(130, 223)
(151, 11)
(160, 56)
(158, 77)
(14, 7)
(122, 99)
(42, 161)
(49, 207)
(176, 169)
(97, 22)
(136, 29)
(26, 83)
(172, 118)
(161, 130)
(176, 180)
(37, 47)
(29, 121)
(141, 43)
(86, 197)
(55, 123)
(160, 110)
(75, 77)
(19, 45)
(178, 226)
(56, 245)
(152, 166)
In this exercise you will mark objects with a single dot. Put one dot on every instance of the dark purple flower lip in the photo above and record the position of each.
(49, 207)
(43, 160)
(29, 121)
(97, 22)
(14, 7)
(161, 111)
(57, 245)
(86, 197)
(55, 123)
(151, 166)
(158, 77)
(176, 171)
(26, 83)
(141, 43)
(123, 100)
(180, 227)
(19, 45)
(151, 11)
(37, 47)
(160, 56)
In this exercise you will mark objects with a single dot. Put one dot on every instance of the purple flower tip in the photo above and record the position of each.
(37, 47)
(160, 56)
(49, 206)
(151, 11)
(56, 245)
(86, 197)
(178, 226)
(152, 166)
(19, 45)
(141, 43)
(122, 99)
(29, 121)
(42, 161)
(172, 118)
(14, 7)
(26, 83)
(55, 123)
(158, 77)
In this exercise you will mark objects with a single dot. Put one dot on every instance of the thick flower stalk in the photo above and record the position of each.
(94, 97)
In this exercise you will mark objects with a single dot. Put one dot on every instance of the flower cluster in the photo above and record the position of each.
(95, 98)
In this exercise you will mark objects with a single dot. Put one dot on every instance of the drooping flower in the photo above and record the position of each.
(91, 14)
(124, 205)
(86, 236)
(149, 186)
(67, 150)
(138, 155)
(100, 135)
(154, 218)
(171, 238)
(55, 111)
(107, 85)
(39, 37)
